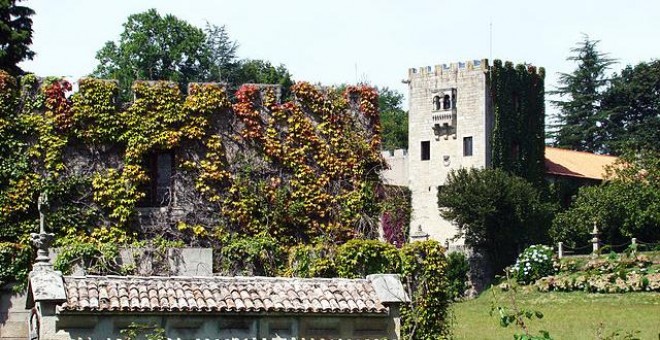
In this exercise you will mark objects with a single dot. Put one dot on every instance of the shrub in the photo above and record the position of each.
(251, 255)
(312, 261)
(424, 267)
(457, 274)
(495, 212)
(359, 258)
(533, 263)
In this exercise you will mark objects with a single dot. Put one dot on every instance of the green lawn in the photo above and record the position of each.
(575, 315)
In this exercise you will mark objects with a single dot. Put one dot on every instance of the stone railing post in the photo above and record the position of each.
(595, 241)
(560, 249)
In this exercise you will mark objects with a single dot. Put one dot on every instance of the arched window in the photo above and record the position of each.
(436, 103)
(446, 102)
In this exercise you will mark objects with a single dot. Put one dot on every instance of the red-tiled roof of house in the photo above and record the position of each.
(220, 295)
(563, 162)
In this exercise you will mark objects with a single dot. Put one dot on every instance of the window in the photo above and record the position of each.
(467, 146)
(446, 102)
(426, 150)
(436, 103)
(158, 191)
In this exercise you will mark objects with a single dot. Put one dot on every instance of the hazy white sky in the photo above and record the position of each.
(342, 41)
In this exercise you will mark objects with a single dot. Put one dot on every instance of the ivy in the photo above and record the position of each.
(517, 95)
(257, 173)
(359, 258)
(424, 271)
(395, 219)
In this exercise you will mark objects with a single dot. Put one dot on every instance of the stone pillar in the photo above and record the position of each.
(594, 241)
(560, 249)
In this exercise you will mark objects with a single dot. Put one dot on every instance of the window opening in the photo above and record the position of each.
(426, 150)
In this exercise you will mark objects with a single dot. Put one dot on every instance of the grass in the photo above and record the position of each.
(574, 315)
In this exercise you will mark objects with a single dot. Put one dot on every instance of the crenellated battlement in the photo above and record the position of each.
(397, 153)
(451, 68)
(470, 66)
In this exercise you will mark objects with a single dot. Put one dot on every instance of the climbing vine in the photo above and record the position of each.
(247, 171)
(517, 95)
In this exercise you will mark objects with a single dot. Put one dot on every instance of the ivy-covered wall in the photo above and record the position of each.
(518, 139)
(248, 170)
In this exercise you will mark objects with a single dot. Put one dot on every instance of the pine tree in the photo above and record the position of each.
(15, 35)
(579, 121)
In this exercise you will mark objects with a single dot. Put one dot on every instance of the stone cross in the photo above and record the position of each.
(42, 240)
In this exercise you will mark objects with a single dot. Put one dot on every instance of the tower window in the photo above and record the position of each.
(446, 102)
(467, 146)
(436, 103)
(426, 150)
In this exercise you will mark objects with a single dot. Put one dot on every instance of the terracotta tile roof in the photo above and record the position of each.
(220, 295)
(579, 164)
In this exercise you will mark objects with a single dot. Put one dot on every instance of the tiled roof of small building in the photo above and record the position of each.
(220, 295)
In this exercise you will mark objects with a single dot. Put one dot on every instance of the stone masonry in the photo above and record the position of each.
(449, 127)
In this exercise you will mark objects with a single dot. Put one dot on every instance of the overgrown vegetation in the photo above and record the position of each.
(517, 95)
(255, 173)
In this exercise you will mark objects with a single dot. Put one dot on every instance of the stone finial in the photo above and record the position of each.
(419, 235)
(42, 240)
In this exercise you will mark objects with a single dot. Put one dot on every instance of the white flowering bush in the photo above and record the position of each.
(533, 263)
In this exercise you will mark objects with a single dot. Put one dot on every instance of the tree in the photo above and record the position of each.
(222, 51)
(15, 36)
(155, 47)
(632, 105)
(495, 212)
(393, 119)
(580, 117)
(626, 206)
(261, 72)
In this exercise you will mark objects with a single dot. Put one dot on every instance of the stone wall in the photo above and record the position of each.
(225, 327)
(397, 172)
(149, 262)
(13, 314)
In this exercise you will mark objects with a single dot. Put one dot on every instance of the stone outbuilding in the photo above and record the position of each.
(215, 307)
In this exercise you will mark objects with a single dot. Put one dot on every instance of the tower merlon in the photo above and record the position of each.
(451, 68)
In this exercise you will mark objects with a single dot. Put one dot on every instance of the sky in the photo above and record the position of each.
(342, 41)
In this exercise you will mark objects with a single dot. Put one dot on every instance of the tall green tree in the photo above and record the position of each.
(222, 52)
(15, 35)
(155, 47)
(393, 119)
(495, 212)
(580, 118)
(632, 106)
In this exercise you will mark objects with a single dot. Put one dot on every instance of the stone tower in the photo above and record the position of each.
(449, 127)
(470, 115)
